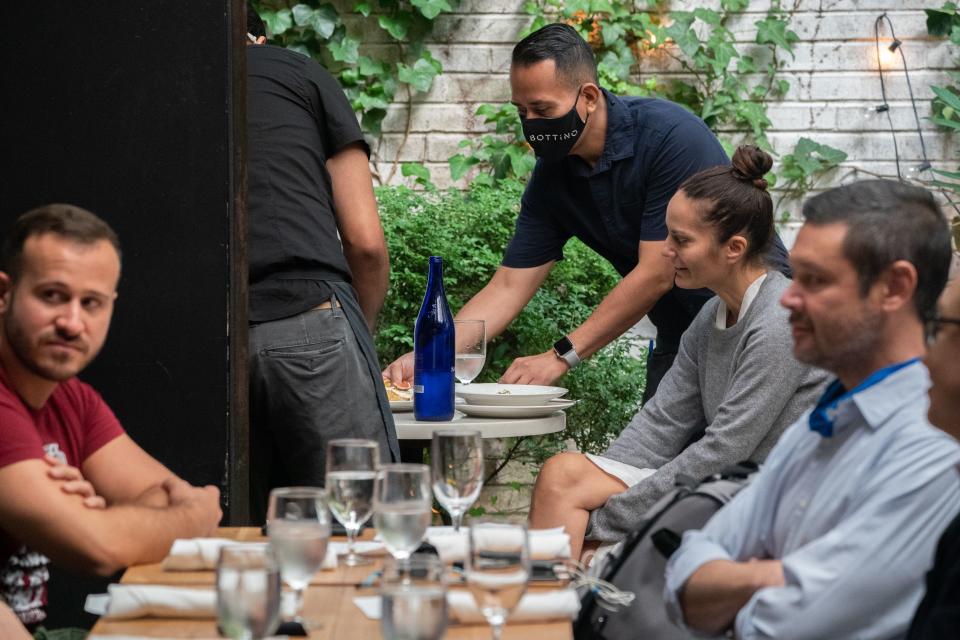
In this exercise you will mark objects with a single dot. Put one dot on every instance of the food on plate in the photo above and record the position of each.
(402, 390)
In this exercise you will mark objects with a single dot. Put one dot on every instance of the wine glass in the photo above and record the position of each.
(298, 524)
(351, 468)
(413, 596)
(457, 461)
(497, 568)
(471, 342)
(248, 591)
(402, 506)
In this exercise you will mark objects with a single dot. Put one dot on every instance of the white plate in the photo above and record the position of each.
(514, 411)
(508, 394)
(400, 406)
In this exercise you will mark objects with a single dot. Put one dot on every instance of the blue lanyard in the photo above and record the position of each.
(823, 415)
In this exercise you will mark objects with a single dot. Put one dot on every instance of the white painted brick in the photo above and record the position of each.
(832, 116)
(432, 116)
(413, 148)
(468, 87)
(484, 28)
(819, 57)
(440, 146)
(454, 58)
(811, 6)
(838, 26)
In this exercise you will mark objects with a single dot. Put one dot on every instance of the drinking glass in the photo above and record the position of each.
(457, 461)
(402, 506)
(248, 592)
(497, 568)
(298, 524)
(413, 595)
(351, 468)
(471, 352)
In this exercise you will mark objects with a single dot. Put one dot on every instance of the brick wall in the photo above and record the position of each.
(833, 80)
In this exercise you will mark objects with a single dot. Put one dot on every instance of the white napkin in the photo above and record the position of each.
(537, 606)
(545, 544)
(198, 554)
(126, 601)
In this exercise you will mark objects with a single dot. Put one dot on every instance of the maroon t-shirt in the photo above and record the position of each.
(73, 424)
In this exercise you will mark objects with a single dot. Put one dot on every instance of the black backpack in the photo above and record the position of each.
(639, 565)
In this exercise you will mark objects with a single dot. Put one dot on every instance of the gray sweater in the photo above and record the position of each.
(729, 395)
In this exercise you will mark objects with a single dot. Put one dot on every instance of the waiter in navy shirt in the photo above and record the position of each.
(606, 168)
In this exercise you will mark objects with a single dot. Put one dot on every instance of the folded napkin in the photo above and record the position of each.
(537, 606)
(199, 554)
(126, 601)
(545, 544)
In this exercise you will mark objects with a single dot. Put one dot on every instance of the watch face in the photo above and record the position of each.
(563, 345)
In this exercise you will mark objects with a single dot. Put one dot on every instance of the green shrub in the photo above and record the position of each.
(470, 231)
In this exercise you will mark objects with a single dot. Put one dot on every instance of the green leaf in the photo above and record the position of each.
(363, 8)
(460, 164)
(277, 21)
(431, 8)
(948, 96)
(709, 16)
(397, 24)
(734, 5)
(325, 20)
(774, 31)
(940, 21)
(943, 122)
(418, 171)
(420, 76)
(746, 65)
(346, 50)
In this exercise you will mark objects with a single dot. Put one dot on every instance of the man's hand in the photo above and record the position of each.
(401, 369)
(73, 482)
(203, 503)
(715, 593)
(542, 369)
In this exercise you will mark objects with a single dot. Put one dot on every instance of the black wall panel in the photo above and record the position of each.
(134, 110)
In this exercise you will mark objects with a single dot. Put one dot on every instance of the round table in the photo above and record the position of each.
(409, 428)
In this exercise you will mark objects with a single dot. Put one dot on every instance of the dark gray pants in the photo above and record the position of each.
(309, 384)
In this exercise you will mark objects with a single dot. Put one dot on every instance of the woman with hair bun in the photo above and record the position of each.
(734, 386)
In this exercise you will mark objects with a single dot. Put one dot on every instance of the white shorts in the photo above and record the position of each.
(626, 473)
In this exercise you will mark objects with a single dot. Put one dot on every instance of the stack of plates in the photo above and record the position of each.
(511, 400)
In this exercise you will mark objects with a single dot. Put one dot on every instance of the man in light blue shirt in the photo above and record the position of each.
(834, 535)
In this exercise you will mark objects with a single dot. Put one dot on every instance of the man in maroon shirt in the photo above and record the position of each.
(73, 486)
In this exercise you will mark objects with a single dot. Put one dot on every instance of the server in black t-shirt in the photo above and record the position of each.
(318, 272)
(607, 167)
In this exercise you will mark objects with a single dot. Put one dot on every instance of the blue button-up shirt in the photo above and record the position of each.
(854, 518)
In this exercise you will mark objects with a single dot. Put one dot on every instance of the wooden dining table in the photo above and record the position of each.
(328, 604)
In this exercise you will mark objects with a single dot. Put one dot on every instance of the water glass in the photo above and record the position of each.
(497, 569)
(298, 524)
(471, 349)
(402, 504)
(457, 461)
(413, 596)
(248, 592)
(351, 468)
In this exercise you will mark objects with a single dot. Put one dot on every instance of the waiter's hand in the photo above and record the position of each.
(541, 369)
(401, 369)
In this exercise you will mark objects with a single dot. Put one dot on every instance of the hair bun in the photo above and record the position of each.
(751, 163)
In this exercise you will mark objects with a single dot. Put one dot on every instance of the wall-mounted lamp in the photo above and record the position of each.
(920, 171)
(875, 110)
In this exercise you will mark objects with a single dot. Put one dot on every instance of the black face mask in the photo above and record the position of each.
(553, 138)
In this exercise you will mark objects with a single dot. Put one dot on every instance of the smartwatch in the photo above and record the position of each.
(565, 351)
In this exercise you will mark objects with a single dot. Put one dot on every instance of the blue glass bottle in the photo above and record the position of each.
(433, 351)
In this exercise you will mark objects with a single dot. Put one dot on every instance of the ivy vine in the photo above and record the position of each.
(319, 30)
